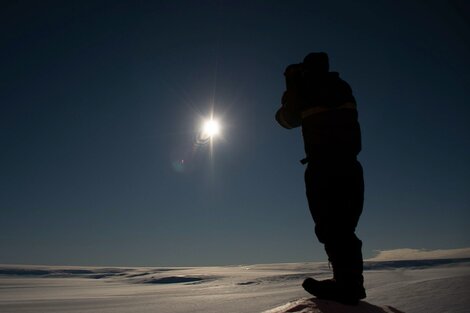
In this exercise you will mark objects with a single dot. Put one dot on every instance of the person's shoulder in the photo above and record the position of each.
(333, 76)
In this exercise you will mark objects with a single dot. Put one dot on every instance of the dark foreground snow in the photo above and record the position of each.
(313, 305)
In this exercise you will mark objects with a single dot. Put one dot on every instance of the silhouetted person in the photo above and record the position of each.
(323, 104)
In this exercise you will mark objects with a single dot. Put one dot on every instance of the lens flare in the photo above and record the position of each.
(179, 165)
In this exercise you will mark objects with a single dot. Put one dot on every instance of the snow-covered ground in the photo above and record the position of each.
(406, 286)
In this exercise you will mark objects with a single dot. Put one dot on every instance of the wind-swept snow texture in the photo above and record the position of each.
(424, 286)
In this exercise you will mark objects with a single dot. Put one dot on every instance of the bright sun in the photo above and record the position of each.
(210, 128)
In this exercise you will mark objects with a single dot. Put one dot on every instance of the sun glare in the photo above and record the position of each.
(211, 128)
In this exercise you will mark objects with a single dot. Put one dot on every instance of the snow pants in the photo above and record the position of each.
(335, 193)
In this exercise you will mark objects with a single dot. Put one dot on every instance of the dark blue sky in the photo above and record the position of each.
(99, 99)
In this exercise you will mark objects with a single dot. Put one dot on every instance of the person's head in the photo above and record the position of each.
(317, 62)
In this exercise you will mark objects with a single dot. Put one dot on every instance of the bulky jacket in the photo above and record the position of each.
(323, 104)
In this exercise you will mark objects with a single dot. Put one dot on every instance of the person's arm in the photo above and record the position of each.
(289, 115)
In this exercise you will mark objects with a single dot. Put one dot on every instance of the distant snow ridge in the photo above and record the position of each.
(314, 305)
(415, 264)
(421, 254)
(36, 271)
(139, 276)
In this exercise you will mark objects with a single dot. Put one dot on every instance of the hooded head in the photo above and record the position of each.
(317, 62)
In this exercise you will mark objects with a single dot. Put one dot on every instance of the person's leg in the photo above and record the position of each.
(346, 258)
(335, 194)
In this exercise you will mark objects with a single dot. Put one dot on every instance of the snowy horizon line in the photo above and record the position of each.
(400, 254)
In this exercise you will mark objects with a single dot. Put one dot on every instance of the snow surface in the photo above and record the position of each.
(423, 286)
(323, 306)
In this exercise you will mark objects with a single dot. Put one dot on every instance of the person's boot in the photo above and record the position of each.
(330, 289)
(347, 285)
